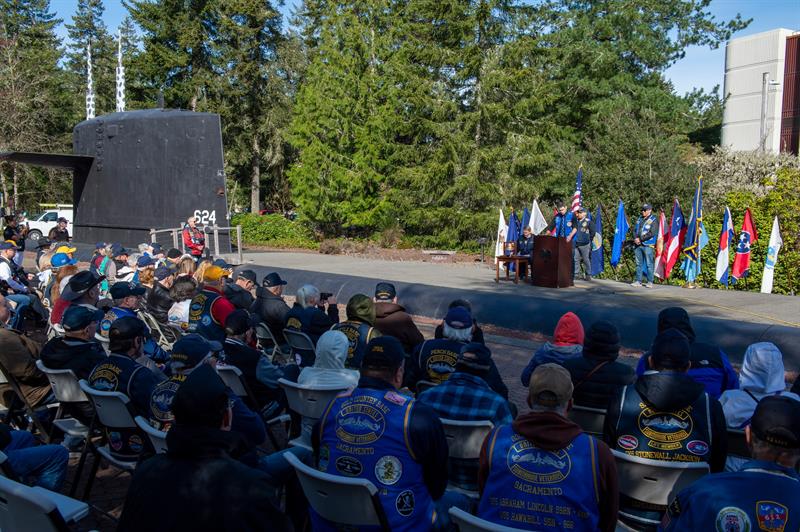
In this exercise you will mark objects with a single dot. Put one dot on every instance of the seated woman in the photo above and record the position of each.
(567, 343)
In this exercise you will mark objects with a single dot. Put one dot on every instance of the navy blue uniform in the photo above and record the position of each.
(202, 320)
(358, 336)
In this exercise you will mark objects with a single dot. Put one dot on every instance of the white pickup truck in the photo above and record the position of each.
(41, 224)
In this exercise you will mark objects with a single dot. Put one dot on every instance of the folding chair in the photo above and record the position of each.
(464, 441)
(26, 509)
(112, 412)
(164, 335)
(309, 403)
(19, 414)
(424, 385)
(66, 390)
(343, 500)
(157, 438)
(654, 482)
(301, 347)
(737, 444)
(589, 419)
(467, 522)
(267, 341)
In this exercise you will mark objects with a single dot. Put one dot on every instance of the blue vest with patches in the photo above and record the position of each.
(160, 413)
(563, 224)
(683, 435)
(364, 433)
(530, 488)
(437, 359)
(358, 334)
(643, 226)
(200, 319)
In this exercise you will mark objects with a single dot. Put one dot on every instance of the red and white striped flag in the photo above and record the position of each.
(663, 238)
(677, 230)
(577, 200)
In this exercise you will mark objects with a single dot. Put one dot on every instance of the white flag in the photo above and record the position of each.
(538, 223)
(775, 243)
(502, 231)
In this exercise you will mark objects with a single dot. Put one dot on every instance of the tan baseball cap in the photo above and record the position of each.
(551, 385)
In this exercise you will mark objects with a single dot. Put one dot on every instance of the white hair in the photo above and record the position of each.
(307, 293)
(459, 335)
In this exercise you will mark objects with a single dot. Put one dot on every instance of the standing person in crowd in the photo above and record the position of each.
(567, 343)
(40, 465)
(240, 293)
(709, 363)
(596, 374)
(665, 415)
(558, 477)
(206, 487)
(765, 494)
(581, 235)
(270, 306)
(182, 292)
(18, 355)
(121, 373)
(558, 225)
(309, 313)
(210, 308)
(391, 319)
(193, 238)
(59, 233)
(17, 235)
(17, 290)
(477, 332)
(409, 462)
(645, 233)
(159, 301)
(81, 289)
(358, 328)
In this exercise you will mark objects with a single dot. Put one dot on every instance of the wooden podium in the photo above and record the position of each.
(552, 261)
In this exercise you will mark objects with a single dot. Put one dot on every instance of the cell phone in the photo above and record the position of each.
(323, 296)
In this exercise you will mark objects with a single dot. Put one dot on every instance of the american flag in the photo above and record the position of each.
(576, 198)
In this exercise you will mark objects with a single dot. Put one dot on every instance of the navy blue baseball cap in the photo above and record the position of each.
(458, 318)
(191, 351)
(156, 247)
(272, 279)
(117, 250)
(384, 352)
(76, 317)
(100, 245)
(7, 244)
(122, 290)
(162, 272)
(144, 261)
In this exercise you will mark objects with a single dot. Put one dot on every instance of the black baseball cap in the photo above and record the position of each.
(384, 352)
(272, 279)
(62, 219)
(76, 317)
(250, 275)
(173, 253)
(79, 284)
(776, 421)
(120, 290)
(671, 350)
(385, 291)
(239, 321)
(126, 328)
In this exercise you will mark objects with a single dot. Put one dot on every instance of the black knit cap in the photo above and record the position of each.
(671, 350)
(602, 341)
(200, 399)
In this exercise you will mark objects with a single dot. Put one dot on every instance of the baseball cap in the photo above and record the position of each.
(117, 250)
(583, 210)
(776, 421)
(551, 385)
(43, 243)
(385, 292)
(670, 350)
(199, 398)
(647, 207)
(272, 279)
(126, 328)
(79, 284)
(7, 244)
(250, 275)
(222, 264)
(66, 249)
(122, 290)
(156, 247)
(458, 318)
(76, 317)
(190, 351)
(239, 321)
(100, 245)
(144, 261)
(384, 352)
(61, 259)
(173, 253)
(162, 272)
(475, 355)
(215, 273)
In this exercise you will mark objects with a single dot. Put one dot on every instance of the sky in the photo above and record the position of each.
(702, 67)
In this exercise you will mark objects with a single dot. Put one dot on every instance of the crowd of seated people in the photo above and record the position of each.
(158, 326)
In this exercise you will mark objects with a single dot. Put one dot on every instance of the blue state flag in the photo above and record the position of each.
(526, 219)
(597, 245)
(620, 231)
(696, 237)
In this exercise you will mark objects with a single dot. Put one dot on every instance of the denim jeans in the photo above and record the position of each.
(45, 465)
(278, 469)
(22, 301)
(645, 256)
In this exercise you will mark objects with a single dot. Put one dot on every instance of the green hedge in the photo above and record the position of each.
(274, 230)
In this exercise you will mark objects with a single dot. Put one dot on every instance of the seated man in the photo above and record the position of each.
(596, 374)
(270, 306)
(159, 300)
(127, 299)
(542, 472)
(240, 292)
(83, 288)
(375, 432)
(392, 319)
(210, 308)
(17, 290)
(120, 373)
(206, 488)
(358, 328)
(765, 494)
(18, 355)
(710, 365)
(477, 332)
(466, 396)
(308, 314)
(666, 415)
(39, 465)
(567, 343)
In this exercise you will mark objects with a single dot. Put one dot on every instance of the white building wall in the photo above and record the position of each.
(746, 58)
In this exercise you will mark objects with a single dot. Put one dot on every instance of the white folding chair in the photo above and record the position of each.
(308, 402)
(654, 482)
(302, 347)
(343, 500)
(157, 438)
(464, 441)
(232, 377)
(26, 509)
(467, 522)
(589, 419)
(424, 385)
(66, 390)
(267, 341)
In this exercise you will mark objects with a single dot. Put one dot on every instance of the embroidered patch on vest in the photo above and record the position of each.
(359, 423)
(666, 429)
(697, 447)
(324, 458)
(294, 323)
(404, 504)
(532, 464)
(396, 398)
(196, 307)
(348, 466)
(388, 470)
(135, 443)
(733, 519)
(628, 442)
(771, 516)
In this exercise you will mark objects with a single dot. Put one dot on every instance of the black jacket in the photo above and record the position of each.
(668, 391)
(197, 486)
(602, 385)
(246, 359)
(159, 302)
(272, 310)
(315, 320)
(237, 295)
(80, 356)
